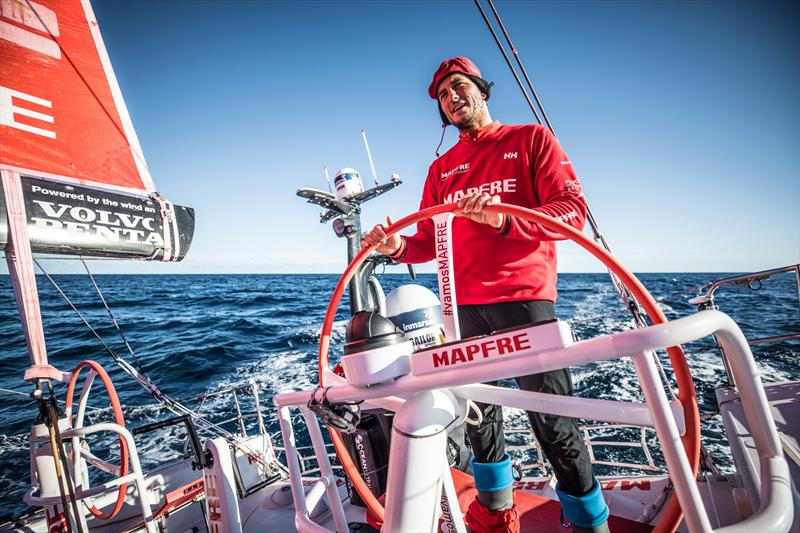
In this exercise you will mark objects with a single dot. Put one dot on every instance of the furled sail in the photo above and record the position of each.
(67, 138)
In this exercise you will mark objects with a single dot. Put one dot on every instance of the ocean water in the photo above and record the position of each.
(195, 334)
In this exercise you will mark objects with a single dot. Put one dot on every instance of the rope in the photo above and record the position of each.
(521, 66)
(77, 311)
(15, 392)
(61, 462)
(113, 319)
(628, 300)
(144, 380)
(508, 61)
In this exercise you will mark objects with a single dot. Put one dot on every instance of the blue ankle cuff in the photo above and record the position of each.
(491, 477)
(589, 510)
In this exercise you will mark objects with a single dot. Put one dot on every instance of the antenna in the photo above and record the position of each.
(369, 155)
(327, 177)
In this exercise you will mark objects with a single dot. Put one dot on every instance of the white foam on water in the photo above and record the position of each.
(310, 331)
(161, 446)
(666, 308)
(14, 451)
(13, 444)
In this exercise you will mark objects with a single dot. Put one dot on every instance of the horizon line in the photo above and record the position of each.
(339, 273)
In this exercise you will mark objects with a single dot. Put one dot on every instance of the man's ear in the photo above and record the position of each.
(483, 96)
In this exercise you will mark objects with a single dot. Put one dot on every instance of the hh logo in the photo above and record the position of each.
(510, 155)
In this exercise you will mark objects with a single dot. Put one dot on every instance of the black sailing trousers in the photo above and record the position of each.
(558, 436)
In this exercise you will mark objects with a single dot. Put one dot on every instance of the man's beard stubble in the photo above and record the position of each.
(473, 120)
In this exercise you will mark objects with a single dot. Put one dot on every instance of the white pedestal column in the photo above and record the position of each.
(419, 442)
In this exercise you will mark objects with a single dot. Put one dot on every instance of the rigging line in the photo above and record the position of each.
(141, 379)
(521, 66)
(627, 298)
(19, 393)
(136, 360)
(508, 61)
(118, 127)
(145, 381)
(44, 257)
(77, 311)
(597, 234)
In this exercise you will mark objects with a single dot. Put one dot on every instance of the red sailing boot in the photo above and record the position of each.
(480, 519)
(494, 509)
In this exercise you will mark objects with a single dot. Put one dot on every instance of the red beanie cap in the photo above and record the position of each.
(451, 66)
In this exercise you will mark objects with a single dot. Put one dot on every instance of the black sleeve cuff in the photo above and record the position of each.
(506, 227)
(401, 253)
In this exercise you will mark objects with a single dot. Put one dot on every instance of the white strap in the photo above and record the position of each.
(443, 243)
(167, 221)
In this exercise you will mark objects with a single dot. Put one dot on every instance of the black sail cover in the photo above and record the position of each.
(76, 220)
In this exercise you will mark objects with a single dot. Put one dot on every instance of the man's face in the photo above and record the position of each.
(462, 102)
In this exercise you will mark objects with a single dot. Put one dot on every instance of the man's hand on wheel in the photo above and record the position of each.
(377, 237)
(471, 206)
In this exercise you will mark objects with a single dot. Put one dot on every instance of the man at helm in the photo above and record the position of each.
(505, 269)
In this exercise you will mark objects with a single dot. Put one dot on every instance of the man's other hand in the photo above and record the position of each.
(377, 237)
(471, 206)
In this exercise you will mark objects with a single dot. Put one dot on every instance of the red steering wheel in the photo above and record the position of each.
(686, 393)
(118, 418)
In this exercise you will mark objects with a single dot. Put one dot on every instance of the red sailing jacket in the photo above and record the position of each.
(526, 166)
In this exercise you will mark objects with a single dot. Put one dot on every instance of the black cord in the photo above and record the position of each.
(113, 319)
(508, 61)
(410, 436)
(441, 140)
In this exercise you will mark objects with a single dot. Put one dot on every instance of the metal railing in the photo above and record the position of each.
(592, 444)
(753, 281)
(776, 506)
(240, 419)
(136, 475)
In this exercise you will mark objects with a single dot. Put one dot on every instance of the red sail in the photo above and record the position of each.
(61, 111)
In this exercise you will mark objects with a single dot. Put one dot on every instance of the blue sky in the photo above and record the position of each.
(682, 118)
